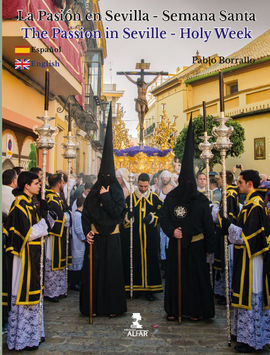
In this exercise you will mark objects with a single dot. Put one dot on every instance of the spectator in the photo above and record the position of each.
(77, 245)
(265, 183)
(47, 178)
(78, 182)
(122, 177)
(215, 193)
(9, 179)
(201, 182)
(79, 189)
(71, 183)
(93, 179)
(37, 171)
(175, 178)
(18, 169)
(154, 185)
(85, 192)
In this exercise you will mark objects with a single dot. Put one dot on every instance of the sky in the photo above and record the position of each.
(172, 52)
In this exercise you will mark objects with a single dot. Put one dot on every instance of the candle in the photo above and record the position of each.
(69, 117)
(221, 91)
(47, 89)
(204, 117)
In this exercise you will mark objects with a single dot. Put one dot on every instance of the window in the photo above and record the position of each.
(231, 88)
(94, 74)
(94, 60)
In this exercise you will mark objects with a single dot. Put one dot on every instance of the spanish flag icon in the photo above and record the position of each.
(22, 50)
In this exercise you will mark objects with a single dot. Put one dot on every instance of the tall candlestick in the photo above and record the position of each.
(221, 91)
(47, 89)
(69, 117)
(204, 117)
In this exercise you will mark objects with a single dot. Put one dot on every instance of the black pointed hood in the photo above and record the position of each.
(107, 161)
(187, 165)
(187, 187)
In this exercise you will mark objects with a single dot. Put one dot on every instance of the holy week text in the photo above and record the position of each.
(149, 33)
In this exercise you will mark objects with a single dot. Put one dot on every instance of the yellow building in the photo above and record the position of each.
(247, 99)
(111, 94)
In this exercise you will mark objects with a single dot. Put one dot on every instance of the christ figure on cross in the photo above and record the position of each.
(141, 105)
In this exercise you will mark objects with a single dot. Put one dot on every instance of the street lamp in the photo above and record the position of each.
(206, 148)
(223, 144)
(44, 142)
(69, 154)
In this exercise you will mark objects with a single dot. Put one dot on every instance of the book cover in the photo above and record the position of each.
(172, 53)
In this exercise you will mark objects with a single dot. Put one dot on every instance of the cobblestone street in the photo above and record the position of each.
(68, 332)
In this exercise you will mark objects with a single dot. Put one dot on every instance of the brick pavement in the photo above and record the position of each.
(67, 332)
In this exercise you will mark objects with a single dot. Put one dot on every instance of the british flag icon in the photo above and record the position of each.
(21, 64)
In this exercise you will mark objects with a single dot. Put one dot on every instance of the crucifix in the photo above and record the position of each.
(141, 105)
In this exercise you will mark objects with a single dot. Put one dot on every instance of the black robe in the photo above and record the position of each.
(102, 213)
(22, 215)
(256, 235)
(146, 272)
(197, 293)
(59, 232)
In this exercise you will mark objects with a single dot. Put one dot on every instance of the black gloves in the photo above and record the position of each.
(147, 219)
(225, 225)
(130, 214)
(43, 209)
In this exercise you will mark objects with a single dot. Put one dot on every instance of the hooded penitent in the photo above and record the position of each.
(187, 208)
(94, 211)
(182, 197)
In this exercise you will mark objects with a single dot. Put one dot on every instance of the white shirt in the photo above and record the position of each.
(7, 198)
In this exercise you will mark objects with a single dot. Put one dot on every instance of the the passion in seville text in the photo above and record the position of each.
(150, 32)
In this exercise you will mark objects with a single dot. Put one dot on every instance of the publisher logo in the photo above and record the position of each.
(136, 328)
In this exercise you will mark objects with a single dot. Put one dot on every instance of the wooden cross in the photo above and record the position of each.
(142, 66)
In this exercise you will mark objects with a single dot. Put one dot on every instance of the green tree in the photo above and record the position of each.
(32, 157)
(237, 138)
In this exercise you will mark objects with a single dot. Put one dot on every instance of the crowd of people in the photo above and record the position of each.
(162, 209)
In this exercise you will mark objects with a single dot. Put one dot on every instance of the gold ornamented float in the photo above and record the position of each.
(148, 159)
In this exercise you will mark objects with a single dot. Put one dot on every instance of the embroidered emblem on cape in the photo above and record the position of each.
(180, 211)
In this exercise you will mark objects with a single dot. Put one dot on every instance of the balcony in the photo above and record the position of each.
(86, 121)
(63, 55)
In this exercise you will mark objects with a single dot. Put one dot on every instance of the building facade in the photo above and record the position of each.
(75, 68)
(247, 98)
